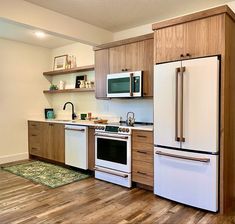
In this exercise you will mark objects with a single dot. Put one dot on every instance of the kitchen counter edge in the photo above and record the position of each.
(89, 123)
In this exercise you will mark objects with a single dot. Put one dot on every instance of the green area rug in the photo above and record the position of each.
(45, 173)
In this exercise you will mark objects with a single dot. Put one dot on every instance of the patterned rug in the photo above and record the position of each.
(45, 173)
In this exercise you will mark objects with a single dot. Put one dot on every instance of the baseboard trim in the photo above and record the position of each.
(13, 158)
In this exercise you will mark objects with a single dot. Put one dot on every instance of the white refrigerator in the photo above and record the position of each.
(186, 131)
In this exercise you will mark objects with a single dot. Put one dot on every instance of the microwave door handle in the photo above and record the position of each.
(131, 81)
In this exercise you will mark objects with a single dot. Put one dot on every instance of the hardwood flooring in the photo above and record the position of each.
(92, 201)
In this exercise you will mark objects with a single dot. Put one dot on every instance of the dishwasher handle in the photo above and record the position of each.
(73, 129)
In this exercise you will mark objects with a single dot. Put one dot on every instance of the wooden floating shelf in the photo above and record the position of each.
(70, 70)
(70, 90)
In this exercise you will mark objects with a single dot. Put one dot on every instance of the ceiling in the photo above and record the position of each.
(18, 32)
(116, 15)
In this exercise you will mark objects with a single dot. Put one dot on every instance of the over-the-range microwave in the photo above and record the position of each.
(126, 84)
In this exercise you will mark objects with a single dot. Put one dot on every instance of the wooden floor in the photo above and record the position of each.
(91, 201)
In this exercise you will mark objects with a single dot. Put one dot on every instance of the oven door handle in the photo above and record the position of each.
(112, 136)
(110, 172)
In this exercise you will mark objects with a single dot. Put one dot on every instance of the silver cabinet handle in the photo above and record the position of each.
(203, 160)
(72, 129)
(110, 172)
(112, 136)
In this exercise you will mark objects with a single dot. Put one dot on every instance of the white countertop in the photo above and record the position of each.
(91, 123)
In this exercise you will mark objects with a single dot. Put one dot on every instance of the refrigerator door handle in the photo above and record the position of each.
(182, 139)
(177, 138)
(203, 160)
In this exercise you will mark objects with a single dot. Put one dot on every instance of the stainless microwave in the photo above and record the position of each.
(126, 84)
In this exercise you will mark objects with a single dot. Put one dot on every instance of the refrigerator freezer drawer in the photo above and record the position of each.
(188, 178)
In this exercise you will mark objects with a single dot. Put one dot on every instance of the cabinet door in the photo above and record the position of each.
(133, 57)
(117, 59)
(204, 37)
(101, 71)
(169, 43)
(201, 104)
(146, 65)
(58, 143)
(46, 140)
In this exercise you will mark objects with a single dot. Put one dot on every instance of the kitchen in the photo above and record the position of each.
(113, 109)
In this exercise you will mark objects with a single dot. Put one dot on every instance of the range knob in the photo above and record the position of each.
(102, 128)
(127, 130)
(120, 129)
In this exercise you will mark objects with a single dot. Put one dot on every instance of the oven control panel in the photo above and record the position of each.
(113, 129)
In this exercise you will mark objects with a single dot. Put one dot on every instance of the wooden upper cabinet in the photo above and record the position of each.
(117, 59)
(199, 38)
(134, 57)
(134, 54)
(101, 71)
(204, 36)
(169, 43)
(145, 62)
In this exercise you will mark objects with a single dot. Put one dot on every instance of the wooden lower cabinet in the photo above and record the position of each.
(142, 157)
(47, 140)
(91, 148)
(35, 138)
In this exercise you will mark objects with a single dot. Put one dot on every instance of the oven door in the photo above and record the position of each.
(113, 151)
(124, 84)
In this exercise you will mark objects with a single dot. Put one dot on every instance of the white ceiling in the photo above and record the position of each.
(18, 32)
(116, 15)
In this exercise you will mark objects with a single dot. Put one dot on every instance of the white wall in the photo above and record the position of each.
(147, 28)
(21, 97)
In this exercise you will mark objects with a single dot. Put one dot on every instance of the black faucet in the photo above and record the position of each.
(73, 114)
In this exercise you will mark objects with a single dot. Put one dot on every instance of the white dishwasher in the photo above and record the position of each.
(76, 146)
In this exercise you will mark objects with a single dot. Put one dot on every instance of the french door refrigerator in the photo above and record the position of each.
(186, 131)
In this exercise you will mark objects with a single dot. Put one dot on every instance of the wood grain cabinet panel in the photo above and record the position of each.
(199, 38)
(204, 37)
(58, 143)
(101, 71)
(169, 43)
(142, 157)
(47, 140)
(91, 148)
(34, 139)
(117, 59)
(143, 136)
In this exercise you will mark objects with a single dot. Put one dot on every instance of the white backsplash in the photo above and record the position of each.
(110, 109)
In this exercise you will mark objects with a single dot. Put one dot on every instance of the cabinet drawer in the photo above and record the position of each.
(143, 136)
(140, 177)
(34, 133)
(143, 146)
(34, 149)
(143, 155)
(34, 125)
(142, 172)
(142, 167)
